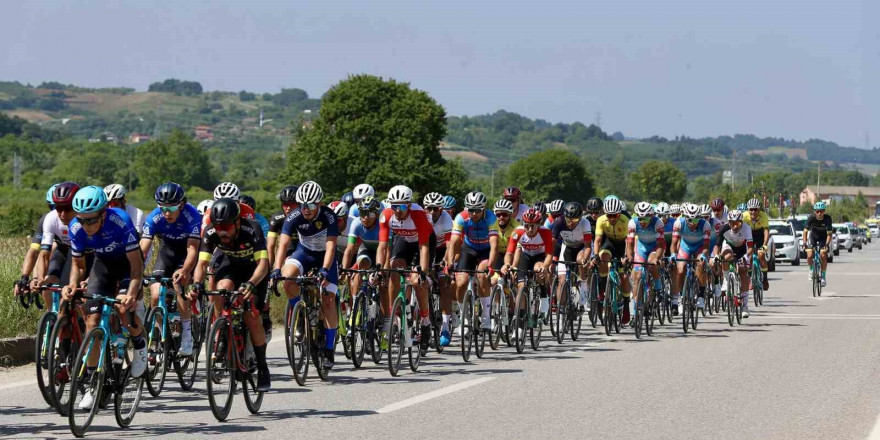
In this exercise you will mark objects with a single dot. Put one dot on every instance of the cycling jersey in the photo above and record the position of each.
(248, 247)
(647, 238)
(476, 234)
(723, 218)
(442, 228)
(263, 222)
(616, 232)
(246, 212)
(668, 225)
(818, 229)
(136, 216)
(276, 222)
(714, 227)
(116, 237)
(504, 234)
(54, 231)
(38, 233)
(363, 238)
(575, 238)
(520, 211)
(548, 223)
(415, 228)
(174, 234)
(541, 243)
(691, 240)
(313, 233)
(736, 239)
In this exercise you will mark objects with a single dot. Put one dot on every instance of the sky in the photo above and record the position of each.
(780, 68)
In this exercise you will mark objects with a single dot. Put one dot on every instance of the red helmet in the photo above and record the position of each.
(532, 216)
(718, 203)
(64, 192)
(512, 192)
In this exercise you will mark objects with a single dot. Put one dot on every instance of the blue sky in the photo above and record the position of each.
(790, 69)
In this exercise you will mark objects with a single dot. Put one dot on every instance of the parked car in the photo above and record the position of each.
(786, 242)
(862, 240)
(845, 237)
(874, 229)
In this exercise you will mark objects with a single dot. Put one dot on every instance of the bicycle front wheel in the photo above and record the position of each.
(62, 355)
(357, 330)
(495, 316)
(594, 299)
(518, 330)
(220, 367)
(300, 343)
(467, 325)
(639, 308)
(128, 389)
(731, 309)
(535, 312)
(561, 312)
(576, 314)
(396, 337)
(44, 371)
(85, 384)
(188, 367)
(156, 351)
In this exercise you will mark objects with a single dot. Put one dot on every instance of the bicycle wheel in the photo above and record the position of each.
(535, 312)
(686, 306)
(695, 315)
(374, 331)
(594, 299)
(220, 369)
(639, 308)
(608, 310)
(436, 317)
(737, 303)
(156, 352)
(61, 357)
(253, 399)
(649, 314)
(396, 337)
(128, 389)
(577, 314)
(357, 330)
(415, 350)
(44, 332)
(553, 312)
(188, 366)
(288, 317)
(319, 343)
(467, 325)
(83, 383)
(496, 314)
(519, 322)
(731, 309)
(300, 343)
(561, 312)
(480, 334)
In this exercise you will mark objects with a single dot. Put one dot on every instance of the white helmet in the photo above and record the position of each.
(433, 200)
(340, 209)
(204, 206)
(363, 190)
(754, 204)
(692, 211)
(228, 190)
(662, 208)
(735, 216)
(400, 194)
(555, 206)
(504, 205)
(114, 191)
(675, 208)
(475, 200)
(612, 206)
(309, 192)
(644, 209)
(705, 210)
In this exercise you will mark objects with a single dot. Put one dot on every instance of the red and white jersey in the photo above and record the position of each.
(414, 228)
(541, 243)
(54, 230)
(442, 228)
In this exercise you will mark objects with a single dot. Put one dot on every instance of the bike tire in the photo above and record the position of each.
(479, 334)
(535, 309)
(467, 325)
(189, 366)
(639, 308)
(374, 336)
(219, 367)
(594, 300)
(156, 370)
(44, 371)
(300, 343)
(561, 313)
(553, 311)
(730, 295)
(695, 315)
(59, 365)
(495, 316)
(253, 399)
(577, 322)
(520, 317)
(436, 318)
(319, 343)
(685, 307)
(288, 316)
(357, 330)
(414, 352)
(128, 391)
(80, 420)
(395, 337)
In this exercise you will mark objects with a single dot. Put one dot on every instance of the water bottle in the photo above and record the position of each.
(373, 312)
(175, 326)
(120, 349)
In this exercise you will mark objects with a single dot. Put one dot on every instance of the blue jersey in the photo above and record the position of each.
(116, 237)
(363, 237)
(312, 234)
(691, 240)
(668, 224)
(187, 226)
(476, 234)
(264, 224)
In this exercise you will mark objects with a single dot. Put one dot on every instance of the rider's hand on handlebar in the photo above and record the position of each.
(68, 291)
(198, 289)
(21, 286)
(247, 290)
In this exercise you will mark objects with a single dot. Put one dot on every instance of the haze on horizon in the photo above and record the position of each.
(786, 68)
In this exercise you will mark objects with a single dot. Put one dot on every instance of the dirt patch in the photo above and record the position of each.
(464, 155)
(30, 115)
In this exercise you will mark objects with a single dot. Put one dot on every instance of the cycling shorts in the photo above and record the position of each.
(104, 278)
(471, 258)
(307, 261)
(527, 262)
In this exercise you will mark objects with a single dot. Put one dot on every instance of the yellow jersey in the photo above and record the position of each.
(616, 232)
(761, 221)
(505, 233)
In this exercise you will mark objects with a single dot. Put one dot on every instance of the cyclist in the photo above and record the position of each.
(318, 229)
(276, 221)
(32, 263)
(204, 206)
(110, 234)
(816, 233)
(56, 269)
(572, 237)
(252, 202)
(236, 249)
(177, 223)
(412, 243)
(737, 244)
(475, 240)
(648, 230)
(690, 238)
(714, 227)
(758, 220)
(433, 204)
(719, 211)
(363, 238)
(506, 227)
(341, 210)
(531, 248)
(554, 211)
(609, 242)
(228, 190)
(513, 194)
(449, 205)
(116, 198)
(359, 193)
(594, 211)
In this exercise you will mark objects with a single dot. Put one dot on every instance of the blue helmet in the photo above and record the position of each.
(348, 199)
(448, 202)
(742, 207)
(819, 206)
(89, 199)
(49, 194)
(169, 194)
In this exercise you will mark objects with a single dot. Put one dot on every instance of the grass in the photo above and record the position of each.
(14, 320)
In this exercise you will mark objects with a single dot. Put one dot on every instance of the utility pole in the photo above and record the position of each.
(492, 185)
(16, 171)
(819, 182)
(733, 173)
(598, 119)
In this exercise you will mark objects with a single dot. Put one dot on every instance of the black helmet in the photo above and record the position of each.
(249, 200)
(225, 210)
(169, 194)
(594, 204)
(288, 194)
(573, 210)
(540, 207)
(348, 199)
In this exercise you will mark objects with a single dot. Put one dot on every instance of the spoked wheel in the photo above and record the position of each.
(480, 334)
(553, 313)
(535, 312)
(576, 316)
(129, 389)
(496, 317)
(300, 343)
(731, 293)
(640, 308)
(343, 330)
(43, 361)
(561, 312)
(436, 320)
(467, 325)
(220, 369)
(86, 384)
(288, 318)
(357, 330)
(62, 354)
(685, 307)
(188, 366)
(594, 300)
(317, 353)
(396, 337)
(374, 335)
(156, 347)
(253, 399)
(649, 314)
(415, 349)
(608, 314)
(518, 330)
(695, 315)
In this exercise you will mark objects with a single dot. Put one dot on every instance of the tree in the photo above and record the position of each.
(288, 97)
(178, 158)
(246, 96)
(551, 174)
(11, 125)
(377, 131)
(658, 181)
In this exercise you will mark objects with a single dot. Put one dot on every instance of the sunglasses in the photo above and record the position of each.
(643, 219)
(88, 221)
(573, 219)
(531, 226)
(370, 214)
(400, 207)
(115, 203)
(822, 211)
(693, 221)
(753, 209)
(309, 206)
(225, 227)
(612, 216)
(433, 209)
(502, 215)
(675, 215)
(172, 208)
(60, 208)
(474, 211)
(291, 205)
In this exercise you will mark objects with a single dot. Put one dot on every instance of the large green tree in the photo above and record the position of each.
(658, 181)
(551, 174)
(378, 131)
(178, 158)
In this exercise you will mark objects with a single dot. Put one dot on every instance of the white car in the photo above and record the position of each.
(786, 243)
(845, 238)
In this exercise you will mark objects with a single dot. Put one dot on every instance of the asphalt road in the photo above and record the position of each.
(800, 368)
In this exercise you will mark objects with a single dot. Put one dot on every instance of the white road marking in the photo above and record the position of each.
(816, 316)
(433, 394)
(875, 432)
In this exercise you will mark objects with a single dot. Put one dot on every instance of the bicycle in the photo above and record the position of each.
(405, 329)
(231, 357)
(595, 305)
(500, 313)
(471, 317)
(664, 305)
(67, 335)
(526, 313)
(711, 282)
(733, 303)
(305, 330)
(435, 310)
(569, 316)
(612, 307)
(689, 298)
(757, 277)
(114, 357)
(343, 315)
(359, 319)
(47, 320)
(164, 340)
(645, 298)
(817, 271)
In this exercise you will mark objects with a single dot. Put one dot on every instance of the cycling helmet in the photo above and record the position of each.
(718, 203)
(644, 209)
(448, 202)
(114, 191)
(742, 207)
(532, 216)
(226, 189)
(400, 194)
(225, 210)
(64, 192)
(692, 211)
(504, 205)
(674, 208)
(754, 204)
(204, 206)
(555, 207)
(89, 199)
(475, 200)
(249, 200)
(288, 194)
(369, 204)
(612, 206)
(348, 199)
(340, 209)
(309, 192)
(573, 210)
(168, 194)
(662, 208)
(594, 204)
(512, 193)
(735, 216)
(540, 207)
(433, 200)
(705, 210)
(610, 197)
(819, 206)
(49, 194)
(363, 190)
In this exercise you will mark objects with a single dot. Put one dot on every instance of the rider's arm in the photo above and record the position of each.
(452, 249)
(30, 260)
(349, 251)
(192, 253)
(77, 271)
(493, 249)
(283, 244)
(146, 244)
(136, 261)
(329, 252)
